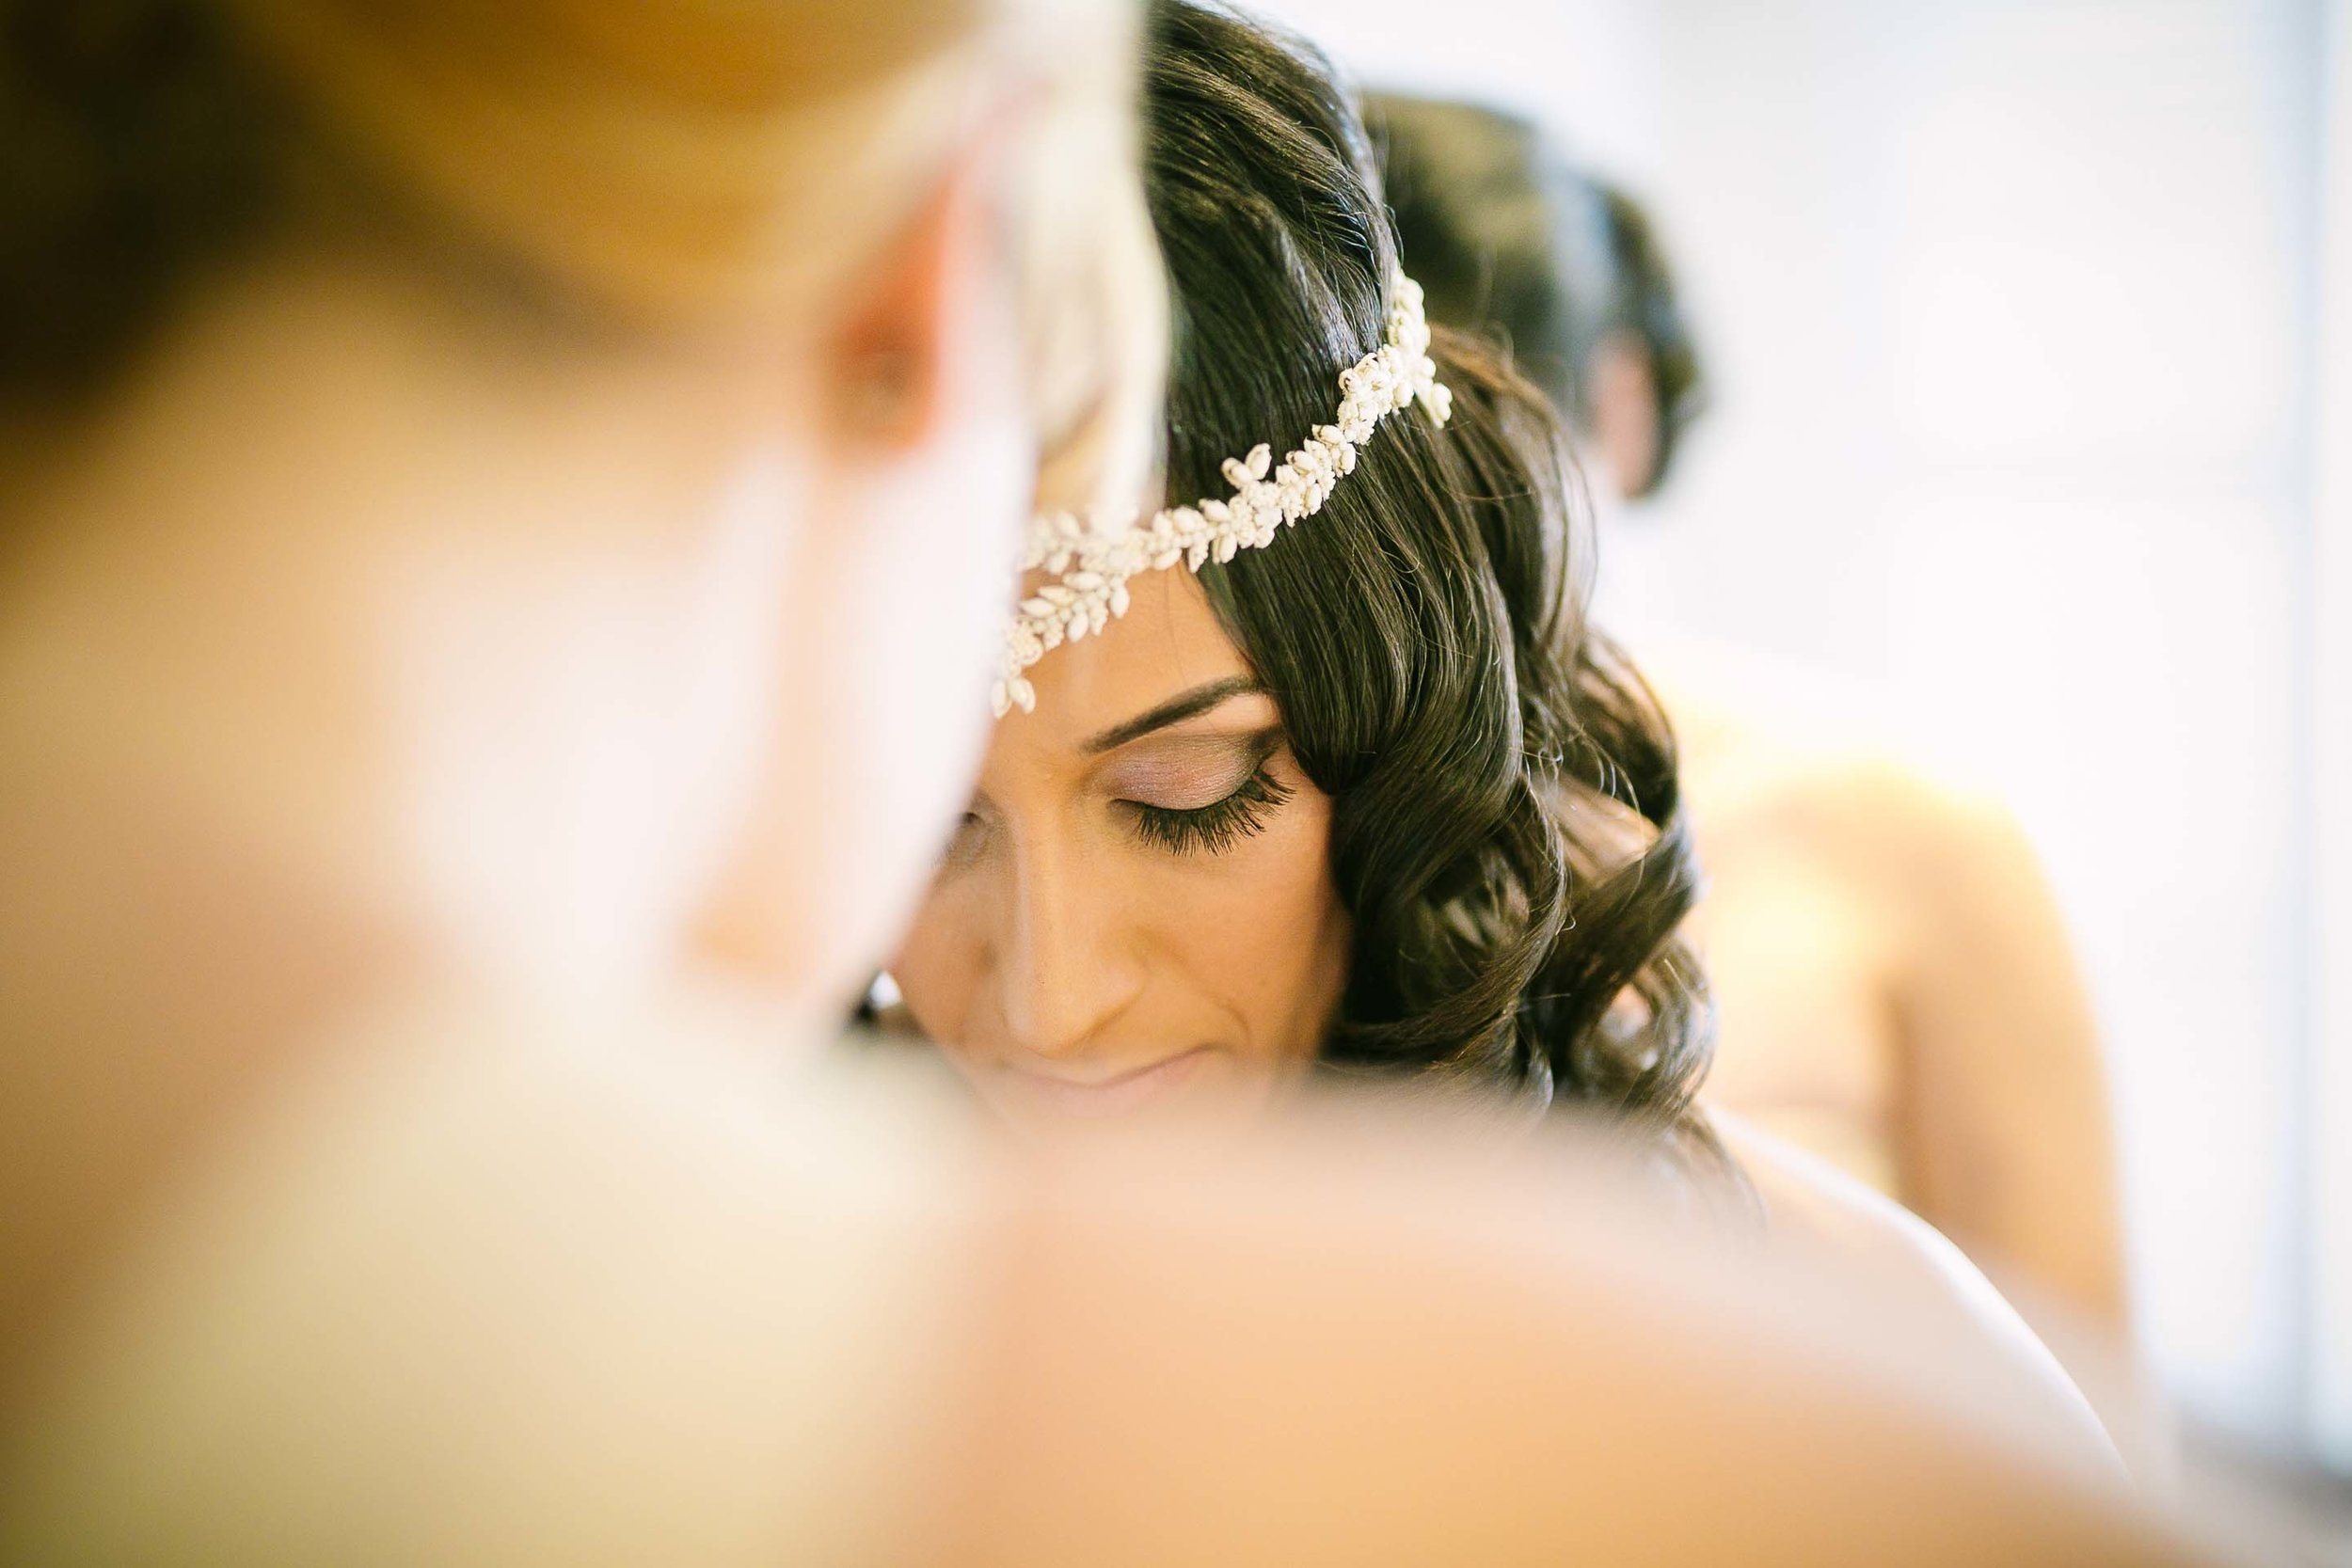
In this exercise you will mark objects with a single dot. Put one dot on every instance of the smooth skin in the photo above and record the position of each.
(1136, 912)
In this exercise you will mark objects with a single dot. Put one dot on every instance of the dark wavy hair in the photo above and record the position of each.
(1506, 825)
(1511, 239)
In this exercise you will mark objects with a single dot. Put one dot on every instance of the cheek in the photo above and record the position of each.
(585, 730)
(938, 968)
(1266, 933)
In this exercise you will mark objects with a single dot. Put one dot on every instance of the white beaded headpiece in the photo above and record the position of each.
(1090, 565)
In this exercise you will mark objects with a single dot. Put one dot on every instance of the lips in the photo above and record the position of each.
(1116, 1094)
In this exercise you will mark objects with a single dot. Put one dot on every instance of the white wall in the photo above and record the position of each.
(1588, 64)
(2008, 305)
(2332, 727)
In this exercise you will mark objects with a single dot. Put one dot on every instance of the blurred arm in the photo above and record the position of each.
(2007, 1142)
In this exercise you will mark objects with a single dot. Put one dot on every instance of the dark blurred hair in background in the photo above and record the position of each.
(1509, 239)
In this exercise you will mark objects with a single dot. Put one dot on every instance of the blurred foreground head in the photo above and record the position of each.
(1512, 240)
(473, 445)
(507, 497)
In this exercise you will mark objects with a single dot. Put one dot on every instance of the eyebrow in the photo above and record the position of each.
(1175, 710)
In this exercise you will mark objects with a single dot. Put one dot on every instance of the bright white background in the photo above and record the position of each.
(2012, 313)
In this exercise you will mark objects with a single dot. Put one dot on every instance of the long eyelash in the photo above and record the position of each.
(1217, 827)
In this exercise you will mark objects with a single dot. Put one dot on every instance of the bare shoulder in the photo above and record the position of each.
(1234, 1360)
(1936, 856)
(1850, 784)
(1904, 1263)
(1814, 758)
(489, 1286)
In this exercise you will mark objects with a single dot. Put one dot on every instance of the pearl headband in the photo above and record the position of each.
(1089, 566)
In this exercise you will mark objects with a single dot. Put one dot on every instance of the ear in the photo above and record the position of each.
(890, 366)
(1621, 390)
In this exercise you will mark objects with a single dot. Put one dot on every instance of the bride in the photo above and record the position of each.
(1366, 793)
(1325, 773)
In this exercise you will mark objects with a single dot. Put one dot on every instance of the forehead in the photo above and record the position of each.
(1168, 642)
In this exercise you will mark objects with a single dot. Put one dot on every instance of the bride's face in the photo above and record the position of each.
(1138, 912)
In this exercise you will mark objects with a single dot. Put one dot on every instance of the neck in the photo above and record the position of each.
(158, 974)
(293, 719)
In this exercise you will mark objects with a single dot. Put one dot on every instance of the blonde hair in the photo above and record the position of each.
(654, 160)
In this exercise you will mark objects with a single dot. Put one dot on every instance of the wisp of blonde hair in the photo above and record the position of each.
(649, 162)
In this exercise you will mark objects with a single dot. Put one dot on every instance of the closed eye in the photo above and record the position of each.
(1217, 827)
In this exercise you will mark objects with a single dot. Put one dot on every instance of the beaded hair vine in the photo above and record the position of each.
(1089, 566)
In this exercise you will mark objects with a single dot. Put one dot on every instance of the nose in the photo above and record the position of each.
(1066, 967)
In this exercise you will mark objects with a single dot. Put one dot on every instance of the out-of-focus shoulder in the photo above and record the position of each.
(1904, 1263)
(1761, 733)
(671, 1275)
